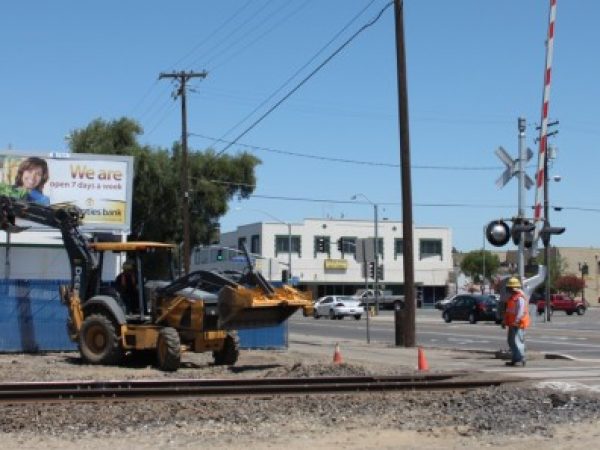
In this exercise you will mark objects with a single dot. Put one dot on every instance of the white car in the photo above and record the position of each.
(338, 307)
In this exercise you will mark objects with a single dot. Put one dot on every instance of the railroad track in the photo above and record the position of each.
(145, 389)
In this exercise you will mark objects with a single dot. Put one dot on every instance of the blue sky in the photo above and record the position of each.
(474, 67)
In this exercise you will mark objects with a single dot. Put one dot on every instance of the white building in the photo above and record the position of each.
(334, 271)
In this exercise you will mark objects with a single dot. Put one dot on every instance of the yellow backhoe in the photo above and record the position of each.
(197, 312)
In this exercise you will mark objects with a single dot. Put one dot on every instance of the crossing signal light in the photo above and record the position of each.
(497, 233)
(524, 228)
(548, 231)
(220, 255)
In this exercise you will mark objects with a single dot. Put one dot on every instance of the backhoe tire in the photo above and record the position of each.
(98, 341)
(228, 355)
(168, 350)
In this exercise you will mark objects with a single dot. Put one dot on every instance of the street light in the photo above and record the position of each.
(584, 269)
(375, 223)
(289, 229)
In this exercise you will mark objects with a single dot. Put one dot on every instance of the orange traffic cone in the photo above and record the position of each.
(423, 366)
(337, 356)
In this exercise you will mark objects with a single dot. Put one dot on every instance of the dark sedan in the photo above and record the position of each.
(471, 307)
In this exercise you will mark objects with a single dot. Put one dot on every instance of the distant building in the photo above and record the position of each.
(331, 271)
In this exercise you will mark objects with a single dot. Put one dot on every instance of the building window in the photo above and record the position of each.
(429, 248)
(398, 248)
(348, 245)
(282, 244)
(322, 245)
(241, 242)
(255, 244)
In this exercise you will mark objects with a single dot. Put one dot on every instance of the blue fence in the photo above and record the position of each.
(32, 319)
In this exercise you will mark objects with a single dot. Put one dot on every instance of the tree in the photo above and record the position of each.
(157, 200)
(473, 262)
(571, 284)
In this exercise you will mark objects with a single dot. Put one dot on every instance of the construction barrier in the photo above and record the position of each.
(33, 319)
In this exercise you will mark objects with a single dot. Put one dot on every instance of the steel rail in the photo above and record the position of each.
(137, 389)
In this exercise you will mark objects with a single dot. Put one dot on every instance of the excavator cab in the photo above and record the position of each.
(143, 261)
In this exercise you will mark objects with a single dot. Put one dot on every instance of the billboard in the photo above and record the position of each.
(100, 185)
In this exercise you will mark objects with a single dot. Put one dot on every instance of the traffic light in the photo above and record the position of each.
(340, 245)
(284, 276)
(321, 244)
(220, 255)
(380, 272)
(371, 269)
(497, 233)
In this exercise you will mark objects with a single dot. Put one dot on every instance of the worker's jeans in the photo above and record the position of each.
(516, 342)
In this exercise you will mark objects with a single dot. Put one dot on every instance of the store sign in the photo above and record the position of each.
(336, 264)
(100, 185)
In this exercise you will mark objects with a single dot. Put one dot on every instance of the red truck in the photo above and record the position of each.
(562, 302)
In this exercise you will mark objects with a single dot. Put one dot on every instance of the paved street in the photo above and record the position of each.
(465, 347)
(576, 336)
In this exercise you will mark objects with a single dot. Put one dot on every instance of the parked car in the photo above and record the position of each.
(385, 298)
(562, 302)
(338, 307)
(471, 307)
(443, 303)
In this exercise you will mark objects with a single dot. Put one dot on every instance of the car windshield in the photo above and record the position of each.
(486, 300)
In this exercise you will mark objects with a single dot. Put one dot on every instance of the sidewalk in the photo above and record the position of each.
(385, 356)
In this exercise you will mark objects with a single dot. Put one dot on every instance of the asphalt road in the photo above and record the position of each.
(576, 336)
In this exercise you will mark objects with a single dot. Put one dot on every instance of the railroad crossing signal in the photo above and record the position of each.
(512, 167)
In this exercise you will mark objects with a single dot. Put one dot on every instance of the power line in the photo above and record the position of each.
(215, 31)
(240, 33)
(297, 72)
(308, 77)
(354, 202)
(260, 36)
(346, 160)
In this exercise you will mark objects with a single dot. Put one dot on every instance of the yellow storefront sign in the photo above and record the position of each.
(336, 264)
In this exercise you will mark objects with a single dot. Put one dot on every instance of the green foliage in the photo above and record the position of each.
(157, 199)
(473, 262)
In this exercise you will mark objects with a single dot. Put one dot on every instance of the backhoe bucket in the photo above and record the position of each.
(241, 307)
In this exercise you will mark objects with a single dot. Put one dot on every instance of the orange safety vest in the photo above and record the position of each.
(510, 314)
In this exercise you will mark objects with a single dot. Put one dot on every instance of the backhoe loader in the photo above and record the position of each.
(198, 312)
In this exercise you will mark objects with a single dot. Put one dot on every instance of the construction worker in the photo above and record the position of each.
(126, 285)
(516, 318)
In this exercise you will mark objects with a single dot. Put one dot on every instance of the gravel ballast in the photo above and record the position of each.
(483, 414)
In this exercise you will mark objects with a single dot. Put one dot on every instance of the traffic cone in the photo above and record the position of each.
(337, 355)
(423, 366)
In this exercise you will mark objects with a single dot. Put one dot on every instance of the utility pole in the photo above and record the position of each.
(405, 319)
(547, 308)
(521, 211)
(376, 290)
(183, 77)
